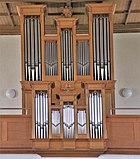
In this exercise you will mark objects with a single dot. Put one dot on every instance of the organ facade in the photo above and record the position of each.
(68, 78)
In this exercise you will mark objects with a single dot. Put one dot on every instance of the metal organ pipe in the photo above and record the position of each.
(83, 58)
(55, 121)
(32, 42)
(101, 44)
(95, 114)
(67, 67)
(68, 120)
(81, 116)
(51, 60)
(41, 114)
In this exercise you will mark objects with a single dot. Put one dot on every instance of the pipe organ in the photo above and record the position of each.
(83, 58)
(32, 48)
(67, 55)
(101, 45)
(41, 114)
(95, 110)
(68, 79)
(51, 62)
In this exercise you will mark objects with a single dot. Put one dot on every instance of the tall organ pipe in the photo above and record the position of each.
(95, 114)
(83, 58)
(55, 121)
(68, 120)
(41, 114)
(67, 68)
(81, 116)
(101, 44)
(32, 60)
(51, 60)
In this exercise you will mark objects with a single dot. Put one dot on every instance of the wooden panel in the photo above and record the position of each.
(12, 7)
(27, 102)
(97, 144)
(41, 144)
(56, 145)
(4, 20)
(109, 101)
(119, 18)
(4, 131)
(82, 144)
(2, 10)
(53, 9)
(81, 19)
(117, 130)
(14, 128)
(121, 5)
(0, 131)
(134, 18)
(16, 131)
(69, 144)
(123, 131)
(49, 20)
(136, 5)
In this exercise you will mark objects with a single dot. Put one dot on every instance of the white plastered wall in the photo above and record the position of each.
(127, 69)
(10, 70)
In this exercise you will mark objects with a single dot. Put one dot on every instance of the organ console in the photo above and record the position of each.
(68, 79)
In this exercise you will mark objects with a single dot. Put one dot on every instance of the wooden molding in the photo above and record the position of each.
(31, 9)
(66, 22)
(103, 8)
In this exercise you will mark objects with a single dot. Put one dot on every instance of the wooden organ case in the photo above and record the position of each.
(68, 80)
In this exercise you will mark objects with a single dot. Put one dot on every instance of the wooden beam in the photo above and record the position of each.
(74, 13)
(9, 14)
(129, 11)
(129, 28)
(126, 12)
(9, 30)
(49, 1)
(118, 28)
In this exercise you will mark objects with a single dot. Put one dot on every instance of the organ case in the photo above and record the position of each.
(68, 78)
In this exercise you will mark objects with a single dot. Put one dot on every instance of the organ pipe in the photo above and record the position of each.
(81, 119)
(55, 121)
(95, 114)
(83, 58)
(33, 70)
(51, 60)
(67, 67)
(41, 114)
(101, 45)
(68, 120)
